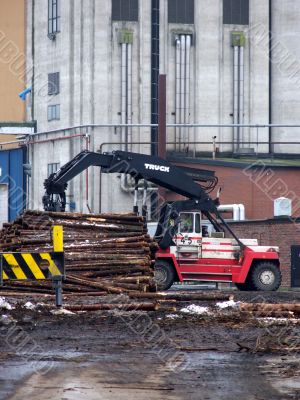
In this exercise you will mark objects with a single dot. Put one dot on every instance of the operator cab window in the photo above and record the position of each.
(187, 223)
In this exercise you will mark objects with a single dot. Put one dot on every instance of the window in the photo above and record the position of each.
(197, 223)
(236, 12)
(52, 168)
(186, 222)
(125, 10)
(53, 83)
(53, 112)
(53, 17)
(181, 11)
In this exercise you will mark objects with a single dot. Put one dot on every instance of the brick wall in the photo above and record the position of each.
(255, 187)
(274, 232)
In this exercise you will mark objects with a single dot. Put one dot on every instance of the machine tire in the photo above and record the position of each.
(164, 274)
(265, 276)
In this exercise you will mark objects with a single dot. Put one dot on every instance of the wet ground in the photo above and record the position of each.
(154, 355)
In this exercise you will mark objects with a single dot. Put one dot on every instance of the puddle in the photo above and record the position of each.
(209, 375)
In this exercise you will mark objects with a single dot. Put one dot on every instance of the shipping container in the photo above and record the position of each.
(12, 184)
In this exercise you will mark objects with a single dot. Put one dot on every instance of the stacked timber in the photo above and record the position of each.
(103, 252)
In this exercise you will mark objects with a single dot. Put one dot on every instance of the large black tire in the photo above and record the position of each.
(164, 274)
(265, 276)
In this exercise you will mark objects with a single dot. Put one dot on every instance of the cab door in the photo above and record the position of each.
(188, 238)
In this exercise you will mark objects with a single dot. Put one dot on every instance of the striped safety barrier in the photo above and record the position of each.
(36, 266)
(32, 266)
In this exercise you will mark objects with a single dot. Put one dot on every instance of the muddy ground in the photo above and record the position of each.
(148, 355)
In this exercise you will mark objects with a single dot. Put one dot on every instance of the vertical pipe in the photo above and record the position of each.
(123, 93)
(241, 96)
(33, 59)
(129, 95)
(235, 95)
(162, 111)
(270, 76)
(182, 86)
(187, 87)
(155, 14)
(177, 97)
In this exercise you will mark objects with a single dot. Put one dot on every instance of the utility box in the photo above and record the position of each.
(238, 39)
(282, 207)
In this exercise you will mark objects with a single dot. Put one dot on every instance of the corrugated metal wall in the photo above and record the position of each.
(11, 174)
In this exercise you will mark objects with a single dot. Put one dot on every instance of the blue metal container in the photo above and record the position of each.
(12, 176)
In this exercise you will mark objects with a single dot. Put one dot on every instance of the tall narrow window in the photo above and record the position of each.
(53, 112)
(125, 10)
(236, 12)
(181, 11)
(53, 17)
(53, 167)
(53, 83)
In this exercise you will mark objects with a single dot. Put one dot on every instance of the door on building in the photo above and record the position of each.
(295, 266)
(3, 204)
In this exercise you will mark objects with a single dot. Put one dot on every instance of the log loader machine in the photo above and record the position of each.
(187, 251)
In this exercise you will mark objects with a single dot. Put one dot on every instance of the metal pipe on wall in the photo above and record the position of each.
(177, 90)
(182, 84)
(187, 87)
(235, 97)
(241, 94)
(123, 92)
(129, 95)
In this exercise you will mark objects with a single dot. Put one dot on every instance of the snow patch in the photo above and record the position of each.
(194, 309)
(227, 304)
(62, 311)
(4, 304)
(29, 305)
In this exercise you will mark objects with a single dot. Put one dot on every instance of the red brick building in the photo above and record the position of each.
(282, 232)
(256, 184)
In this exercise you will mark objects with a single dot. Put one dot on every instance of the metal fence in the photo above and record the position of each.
(274, 140)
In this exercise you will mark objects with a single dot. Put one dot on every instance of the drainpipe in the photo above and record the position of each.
(187, 87)
(270, 76)
(241, 95)
(129, 96)
(177, 99)
(123, 94)
(182, 83)
(242, 212)
(235, 97)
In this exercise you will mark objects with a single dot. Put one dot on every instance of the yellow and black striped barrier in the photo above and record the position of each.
(32, 266)
(35, 266)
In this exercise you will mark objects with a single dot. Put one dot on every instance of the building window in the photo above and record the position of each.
(53, 17)
(236, 12)
(53, 112)
(52, 168)
(181, 11)
(125, 10)
(53, 83)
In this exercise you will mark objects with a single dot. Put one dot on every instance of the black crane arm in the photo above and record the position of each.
(139, 166)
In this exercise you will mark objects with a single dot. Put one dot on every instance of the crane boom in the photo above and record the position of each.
(138, 166)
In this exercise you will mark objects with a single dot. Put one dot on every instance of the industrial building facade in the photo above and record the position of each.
(96, 62)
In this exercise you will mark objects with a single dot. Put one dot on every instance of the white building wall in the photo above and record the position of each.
(87, 53)
(286, 72)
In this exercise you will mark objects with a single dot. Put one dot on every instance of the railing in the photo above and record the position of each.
(274, 140)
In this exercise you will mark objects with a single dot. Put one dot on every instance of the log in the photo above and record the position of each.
(180, 296)
(269, 314)
(268, 307)
(114, 306)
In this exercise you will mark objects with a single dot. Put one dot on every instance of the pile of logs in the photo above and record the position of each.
(103, 252)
